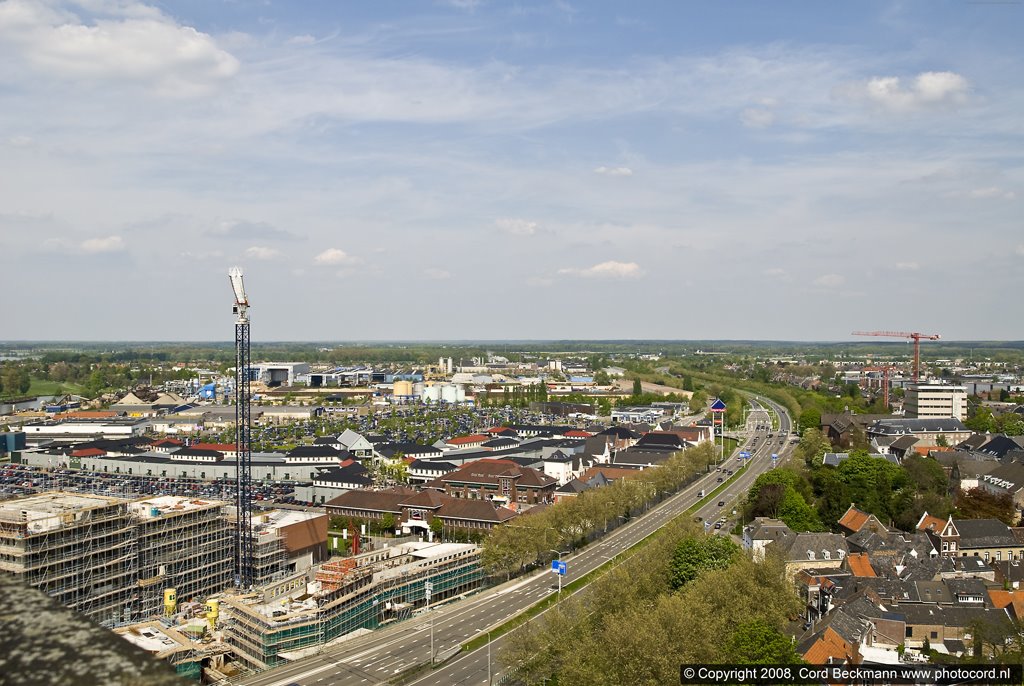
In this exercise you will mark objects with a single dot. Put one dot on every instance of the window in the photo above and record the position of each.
(202, 475)
(945, 546)
(999, 555)
(909, 632)
(935, 634)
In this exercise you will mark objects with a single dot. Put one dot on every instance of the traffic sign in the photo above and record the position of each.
(744, 454)
(558, 567)
(718, 405)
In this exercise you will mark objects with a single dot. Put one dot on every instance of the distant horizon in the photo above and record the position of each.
(508, 341)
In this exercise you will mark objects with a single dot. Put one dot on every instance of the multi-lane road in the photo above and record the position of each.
(379, 657)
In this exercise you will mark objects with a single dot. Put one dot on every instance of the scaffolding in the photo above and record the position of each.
(184, 544)
(111, 559)
(77, 549)
(343, 596)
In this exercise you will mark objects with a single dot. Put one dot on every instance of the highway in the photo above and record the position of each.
(379, 657)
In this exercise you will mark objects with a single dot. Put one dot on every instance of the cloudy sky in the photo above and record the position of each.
(534, 169)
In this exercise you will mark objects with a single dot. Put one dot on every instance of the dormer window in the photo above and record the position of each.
(841, 554)
(825, 555)
(810, 554)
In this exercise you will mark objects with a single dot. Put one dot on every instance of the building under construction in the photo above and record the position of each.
(286, 619)
(182, 543)
(78, 549)
(112, 559)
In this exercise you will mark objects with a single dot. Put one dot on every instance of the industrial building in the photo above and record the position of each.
(936, 401)
(287, 619)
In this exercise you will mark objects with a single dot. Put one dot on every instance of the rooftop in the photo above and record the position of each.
(48, 511)
(159, 506)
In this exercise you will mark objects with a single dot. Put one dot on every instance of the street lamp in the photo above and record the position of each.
(488, 658)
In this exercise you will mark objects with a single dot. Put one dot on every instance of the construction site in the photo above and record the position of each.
(290, 619)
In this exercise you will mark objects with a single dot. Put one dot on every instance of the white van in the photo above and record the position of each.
(700, 494)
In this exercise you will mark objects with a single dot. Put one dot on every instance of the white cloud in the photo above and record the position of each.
(439, 274)
(606, 270)
(830, 281)
(260, 252)
(614, 171)
(927, 89)
(127, 42)
(304, 39)
(106, 244)
(775, 272)
(908, 266)
(333, 256)
(757, 118)
(992, 192)
(516, 227)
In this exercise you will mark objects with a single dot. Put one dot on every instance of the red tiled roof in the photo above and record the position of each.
(854, 519)
(830, 645)
(463, 440)
(578, 433)
(88, 452)
(1012, 599)
(860, 565)
(166, 441)
(931, 523)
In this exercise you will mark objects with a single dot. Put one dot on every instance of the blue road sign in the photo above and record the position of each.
(718, 405)
(775, 456)
(744, 454)
(558, 567)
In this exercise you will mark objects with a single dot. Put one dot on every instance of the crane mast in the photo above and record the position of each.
(913, 335)
(245, 545)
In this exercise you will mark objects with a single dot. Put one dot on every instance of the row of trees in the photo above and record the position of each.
(528, 540)
(810, 496)
(683, 598)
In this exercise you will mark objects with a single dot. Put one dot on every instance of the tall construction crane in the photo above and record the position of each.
(916, 337)
(885, 381)
(245, 546)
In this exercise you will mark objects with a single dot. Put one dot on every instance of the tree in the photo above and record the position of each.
(810, 419)
(941, 441)
(638, 387)
(387, 523)
(698, 402)
(977, 503)
(758, 643)
(695, 555)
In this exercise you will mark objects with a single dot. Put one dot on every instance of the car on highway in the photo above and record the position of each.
(718, 525)
(720, 479)
(721, 503)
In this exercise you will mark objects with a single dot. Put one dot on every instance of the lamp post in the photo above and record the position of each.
(488, 658)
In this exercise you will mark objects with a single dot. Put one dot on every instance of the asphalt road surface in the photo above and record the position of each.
(379, 657)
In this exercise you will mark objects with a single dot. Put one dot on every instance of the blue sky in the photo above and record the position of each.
(461, 169)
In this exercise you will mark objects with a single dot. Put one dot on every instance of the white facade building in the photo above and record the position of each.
(936, 401)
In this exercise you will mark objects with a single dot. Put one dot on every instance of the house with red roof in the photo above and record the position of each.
(498, 481)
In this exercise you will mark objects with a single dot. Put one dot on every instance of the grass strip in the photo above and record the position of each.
(542, 605)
